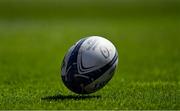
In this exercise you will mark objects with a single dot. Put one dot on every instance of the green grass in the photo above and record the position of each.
(147, 76)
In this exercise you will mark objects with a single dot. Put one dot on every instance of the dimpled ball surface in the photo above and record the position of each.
(89, 65)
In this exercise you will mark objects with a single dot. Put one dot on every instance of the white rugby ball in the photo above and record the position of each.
(89, 65)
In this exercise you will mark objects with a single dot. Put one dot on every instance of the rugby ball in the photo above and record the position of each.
(89, 65)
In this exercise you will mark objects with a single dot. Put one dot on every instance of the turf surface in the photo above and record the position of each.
(31, 51)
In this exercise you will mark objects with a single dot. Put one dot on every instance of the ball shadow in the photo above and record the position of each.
(70, 97)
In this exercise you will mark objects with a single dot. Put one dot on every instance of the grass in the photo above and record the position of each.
(147, 77)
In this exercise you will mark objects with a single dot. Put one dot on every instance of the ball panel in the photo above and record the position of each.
(94, 53)
(71, 69)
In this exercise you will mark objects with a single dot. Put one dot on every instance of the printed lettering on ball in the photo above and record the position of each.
(89, 65)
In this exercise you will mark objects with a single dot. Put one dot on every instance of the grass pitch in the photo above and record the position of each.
(147, 77)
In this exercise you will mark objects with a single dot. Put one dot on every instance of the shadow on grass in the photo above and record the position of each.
(69, 97)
